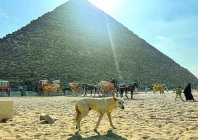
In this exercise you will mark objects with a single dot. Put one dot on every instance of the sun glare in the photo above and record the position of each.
(105, 5)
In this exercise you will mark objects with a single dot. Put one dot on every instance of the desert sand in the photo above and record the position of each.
(148, 116)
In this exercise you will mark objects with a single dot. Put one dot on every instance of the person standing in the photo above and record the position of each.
(114, 82)
(178, 93)
(187, 93)
(36, 89)
(115, 85)
(21, 90)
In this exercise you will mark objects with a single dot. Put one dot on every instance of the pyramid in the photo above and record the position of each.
(78, 42)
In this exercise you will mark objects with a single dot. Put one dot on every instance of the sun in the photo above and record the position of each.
(105, 5)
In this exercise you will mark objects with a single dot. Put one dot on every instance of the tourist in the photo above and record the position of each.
(187, 93)
(178, 93)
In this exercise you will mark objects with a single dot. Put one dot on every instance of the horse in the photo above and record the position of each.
(67, 88)
(106, 88)
(48, 89)
(125, 88)
(38, 89)
(91, 87)
(76, 88)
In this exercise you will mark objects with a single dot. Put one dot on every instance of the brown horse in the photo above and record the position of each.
(90, 87)
(67, 88)
(76, 88)
(127, 87)
(106, 88)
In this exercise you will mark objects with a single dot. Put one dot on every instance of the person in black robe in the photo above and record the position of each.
(114, 83)
(187, 93)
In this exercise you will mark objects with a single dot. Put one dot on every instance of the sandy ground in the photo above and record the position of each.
(148, 116)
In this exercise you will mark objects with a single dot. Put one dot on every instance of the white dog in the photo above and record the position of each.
(101, 105)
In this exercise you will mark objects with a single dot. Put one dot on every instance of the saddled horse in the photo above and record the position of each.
(106, 88)
(76, 88)
(90, 87)
(127, 87)
(39, 90)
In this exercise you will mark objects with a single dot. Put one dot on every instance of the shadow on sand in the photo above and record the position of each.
(109, 136)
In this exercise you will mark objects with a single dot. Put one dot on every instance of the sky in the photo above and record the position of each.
(168, 25)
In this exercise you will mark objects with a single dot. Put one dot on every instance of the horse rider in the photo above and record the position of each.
(114, 82)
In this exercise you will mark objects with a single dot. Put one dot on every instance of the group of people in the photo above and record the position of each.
(187, 92)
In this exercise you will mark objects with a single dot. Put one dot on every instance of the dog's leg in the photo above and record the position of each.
(110, 120)
(80, 113)
(78, 118)
(99, 119)
(78, 123)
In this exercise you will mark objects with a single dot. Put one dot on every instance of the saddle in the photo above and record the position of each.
(74, 85)
(106, 85)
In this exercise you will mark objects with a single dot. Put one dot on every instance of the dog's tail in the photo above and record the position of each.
(77, 112)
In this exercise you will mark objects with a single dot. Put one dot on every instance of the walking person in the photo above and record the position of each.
(178, 93)
(188, 93)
